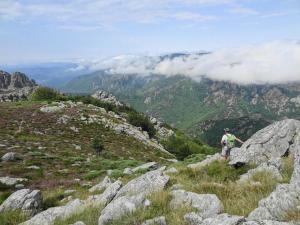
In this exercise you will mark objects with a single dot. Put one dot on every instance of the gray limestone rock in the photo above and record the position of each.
(11, 181)
(224, 219)
(49, 216)
(11, 156)
(29, 201)
(209, 159)
(207, 205)
(145, 184)
(102, 185)
(121, 206)
(156, 221)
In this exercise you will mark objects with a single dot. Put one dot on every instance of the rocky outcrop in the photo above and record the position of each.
(11, 156)
(207, 205)
(29, 201)
(106, 97)
(15, 87)
(279, 139)
(48, 216)
(53, 109)
(145, 184)
(122, 206)
(107, 196)
(146, 166)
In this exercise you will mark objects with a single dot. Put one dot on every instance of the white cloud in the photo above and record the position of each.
(273, 62)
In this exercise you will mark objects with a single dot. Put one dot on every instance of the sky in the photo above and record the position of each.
(65, 30)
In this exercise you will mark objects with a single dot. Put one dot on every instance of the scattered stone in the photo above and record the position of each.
(64, 119)
(156, 221)
(77, 147)
(176, 187)
(107, 196)
(11, 156)
(171, 170)
(69, 192)
(146, 166)
(76, 130)
(26, 200)
(78, 223)
(19, 186)
(102, 185)
(209, 159)
(67, 199)
(268, 222)
(224, 219)
(122, 206)
(48, 216)
(33, 167)
(145, 184)
(10, 181)
(207, 205)
(52, 109)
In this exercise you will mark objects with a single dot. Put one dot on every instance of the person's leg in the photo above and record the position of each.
(224, 152)
(228, 153)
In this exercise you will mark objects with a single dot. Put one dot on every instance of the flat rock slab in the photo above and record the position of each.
(145, 184)
(207, 205)
(29, 201)
(49, 216)
(224, 219)
(275, 140)
(121, 206)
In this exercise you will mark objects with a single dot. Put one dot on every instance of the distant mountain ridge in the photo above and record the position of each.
(188, 104)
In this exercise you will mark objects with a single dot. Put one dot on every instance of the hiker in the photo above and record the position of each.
(228, 142)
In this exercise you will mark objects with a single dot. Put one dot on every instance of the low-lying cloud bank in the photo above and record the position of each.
(274, 62)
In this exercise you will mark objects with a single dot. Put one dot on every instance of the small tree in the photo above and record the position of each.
(98, 145)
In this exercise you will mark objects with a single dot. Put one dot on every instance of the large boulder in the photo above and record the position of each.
(11, 156)
(207, 205)
(107, 196)
(276, 140)
(145, 184)
(49, 216)
(29, 201)
(122, 206)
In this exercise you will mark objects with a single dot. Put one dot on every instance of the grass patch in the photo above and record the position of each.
(13, 217)
(288, 169)
(94, 174)
(220, 179)
(52, 198)
(293, 216)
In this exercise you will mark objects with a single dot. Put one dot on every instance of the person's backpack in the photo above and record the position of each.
(230, 140)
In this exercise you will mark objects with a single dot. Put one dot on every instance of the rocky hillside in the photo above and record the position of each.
(193, 106)
(15, 87)
(258, 186)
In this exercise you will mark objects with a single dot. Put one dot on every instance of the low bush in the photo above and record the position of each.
(97, 144)
(47, 94)
(182, 146)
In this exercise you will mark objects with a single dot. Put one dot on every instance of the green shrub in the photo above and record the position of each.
(142, 121)
(46, 94)
(98, 145)
(182, 146)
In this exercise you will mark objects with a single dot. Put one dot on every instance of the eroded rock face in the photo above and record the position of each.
(276, 140)
(48, 216)
(29, 201)
(121, 206)
(145, 184)
(207, 205)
